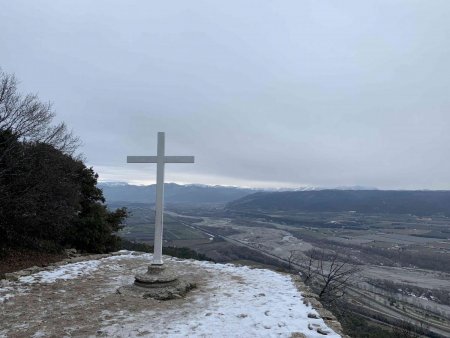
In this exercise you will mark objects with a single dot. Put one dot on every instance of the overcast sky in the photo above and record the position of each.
(263, 93)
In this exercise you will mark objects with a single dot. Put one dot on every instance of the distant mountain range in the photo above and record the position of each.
(306, 199)
(190, 193)
(363, 201)
(173, 193)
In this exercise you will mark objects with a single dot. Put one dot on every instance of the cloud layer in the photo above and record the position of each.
(263, 93)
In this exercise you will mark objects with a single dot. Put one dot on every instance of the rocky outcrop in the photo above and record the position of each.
(310, 298)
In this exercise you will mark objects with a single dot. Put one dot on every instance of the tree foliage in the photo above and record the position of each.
(49, 199)
(173, 251)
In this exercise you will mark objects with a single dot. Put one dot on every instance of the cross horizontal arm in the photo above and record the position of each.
(142, 159)
(154, 159)
(179, 159)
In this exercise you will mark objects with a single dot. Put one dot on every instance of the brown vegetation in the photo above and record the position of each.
(14, 260)
(327, 272)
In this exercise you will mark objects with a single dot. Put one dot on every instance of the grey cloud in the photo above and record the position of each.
(263, 93)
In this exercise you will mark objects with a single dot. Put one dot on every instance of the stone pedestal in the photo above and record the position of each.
(159, 282)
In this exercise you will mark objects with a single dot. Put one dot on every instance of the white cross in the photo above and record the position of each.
(160, 160)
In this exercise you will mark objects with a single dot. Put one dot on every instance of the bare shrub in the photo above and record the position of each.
(27, 119)
(328, 273)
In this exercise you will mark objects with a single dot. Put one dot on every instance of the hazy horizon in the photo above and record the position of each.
(268, 188)
(262, 93)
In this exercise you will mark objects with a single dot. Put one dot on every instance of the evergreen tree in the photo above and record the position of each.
(93, 229)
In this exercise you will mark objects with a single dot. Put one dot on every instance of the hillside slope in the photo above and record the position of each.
(364, 201)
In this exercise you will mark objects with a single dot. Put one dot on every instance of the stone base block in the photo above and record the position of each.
(159, 282)
(173, 290)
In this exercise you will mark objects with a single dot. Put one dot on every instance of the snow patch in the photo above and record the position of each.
(9, 289)
(237, 301)
(4, 295)
(74, 270)
(68, 271)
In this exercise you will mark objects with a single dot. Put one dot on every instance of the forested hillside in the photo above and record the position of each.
(365, 201)
(49, 199)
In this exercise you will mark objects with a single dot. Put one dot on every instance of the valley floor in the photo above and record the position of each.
(273, 242)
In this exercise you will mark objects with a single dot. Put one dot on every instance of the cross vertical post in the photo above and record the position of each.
(159, 212)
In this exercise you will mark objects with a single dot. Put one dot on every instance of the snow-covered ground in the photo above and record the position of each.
(79, 300)
(68, 271)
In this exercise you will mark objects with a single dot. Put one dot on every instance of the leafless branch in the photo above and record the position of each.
(28, 119)
(328, 272)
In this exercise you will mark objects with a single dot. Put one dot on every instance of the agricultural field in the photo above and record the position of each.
(140, 227)
(405, 259)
